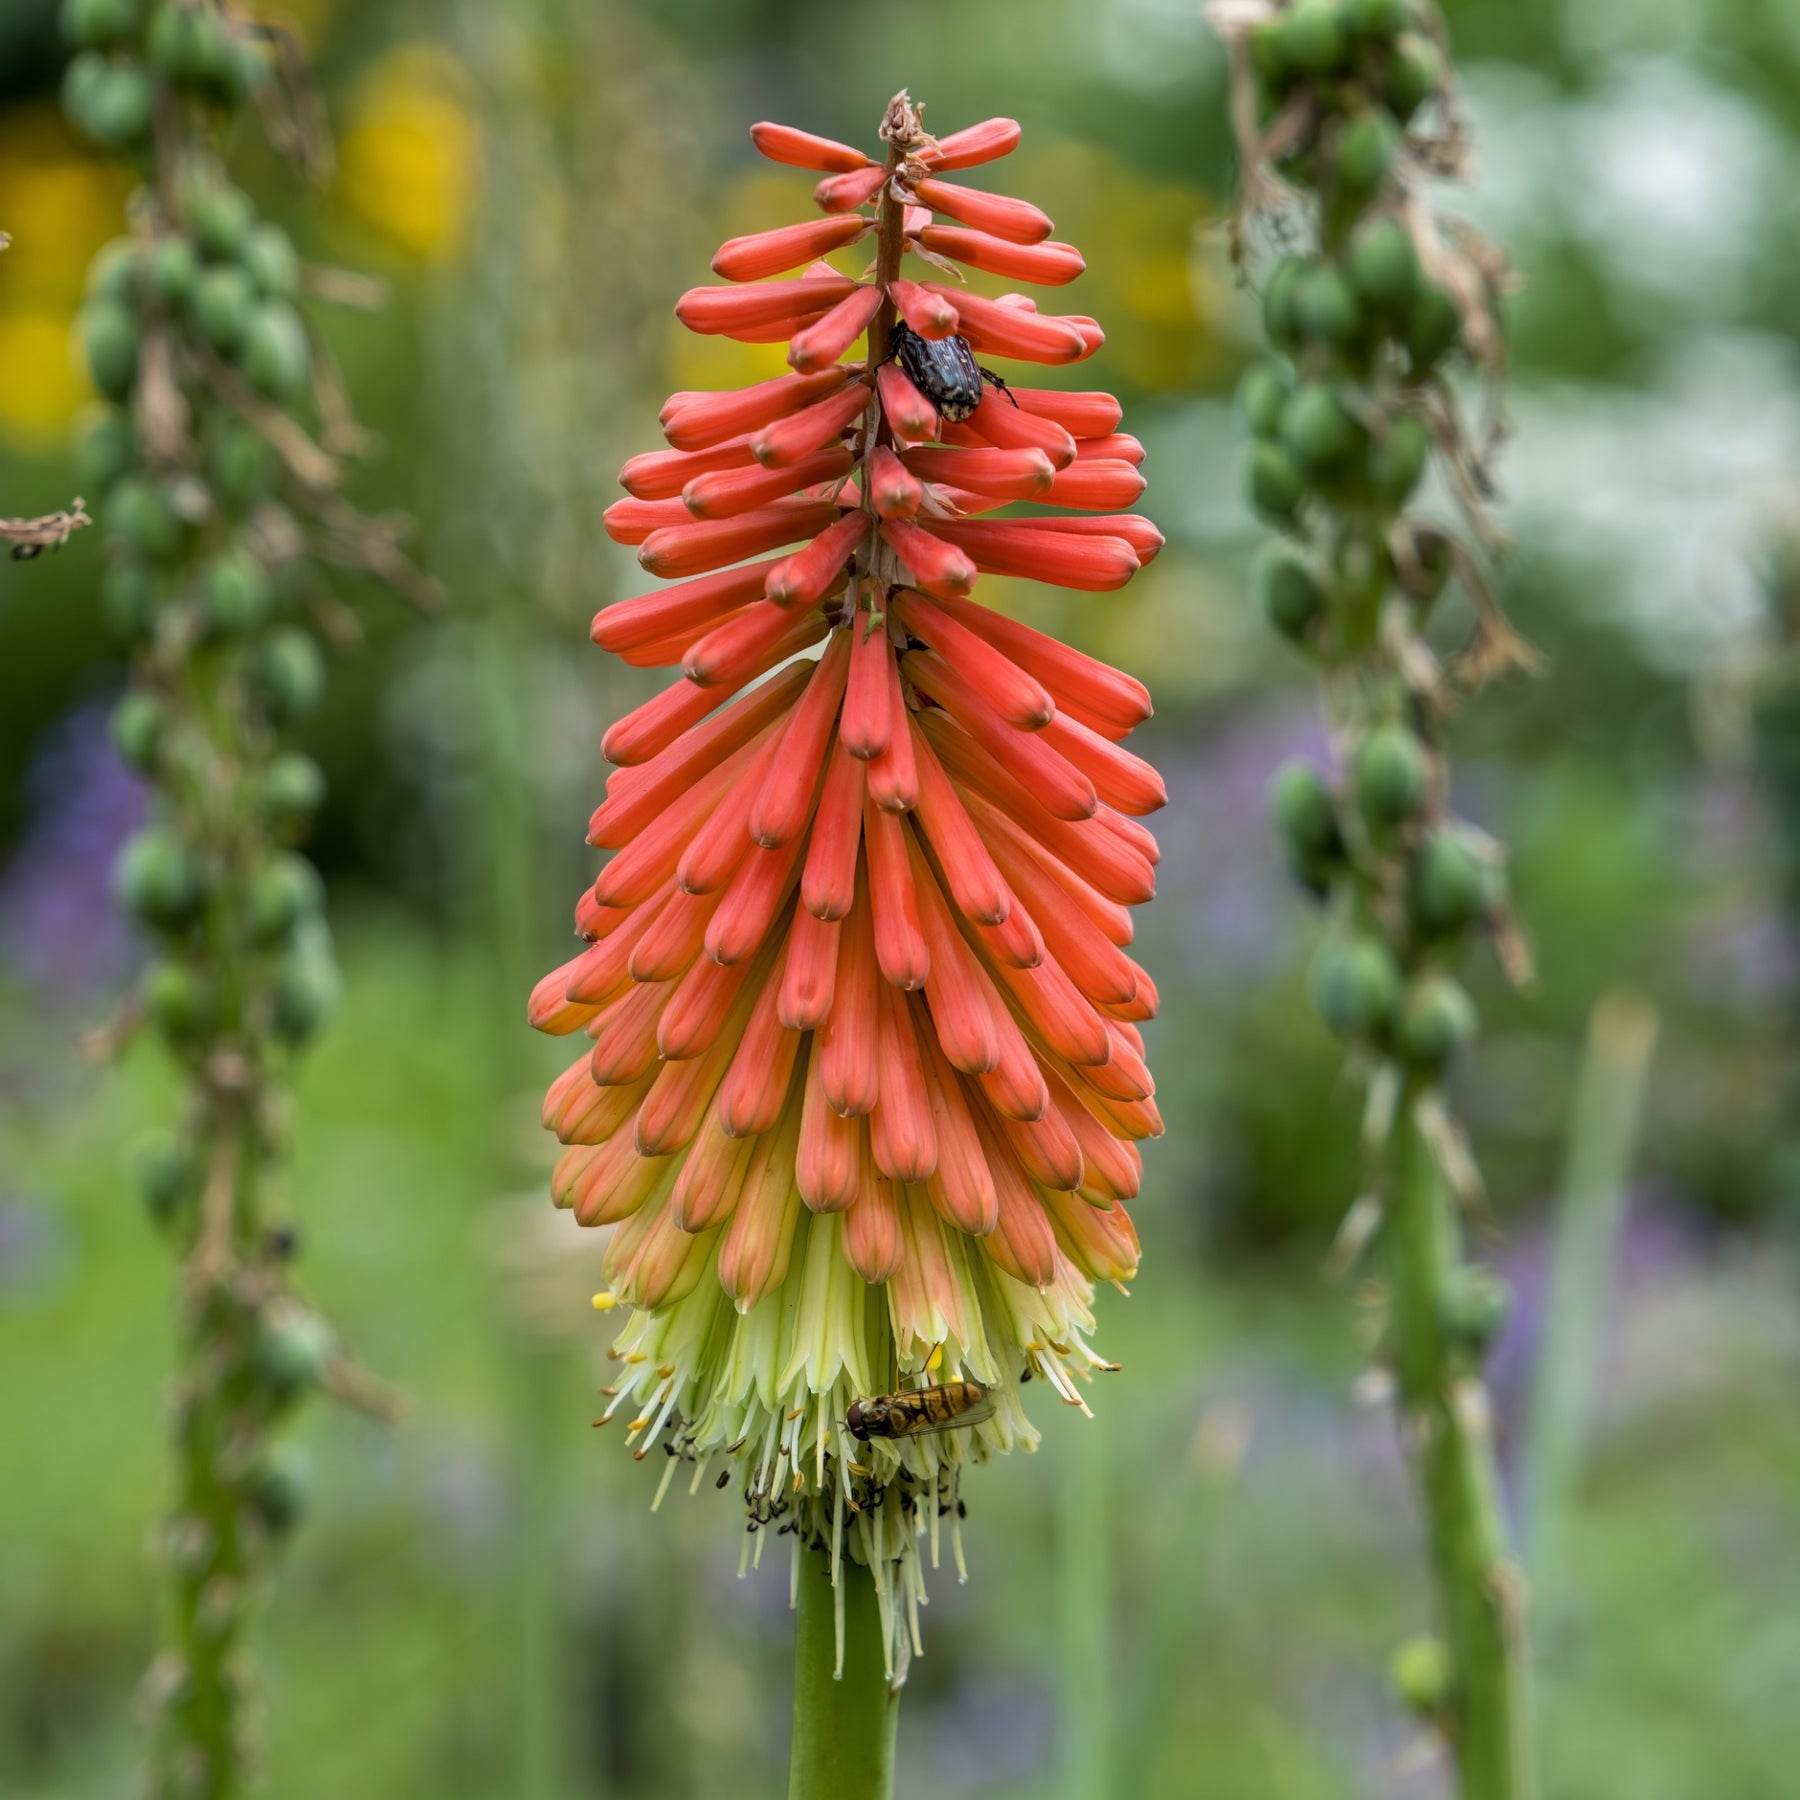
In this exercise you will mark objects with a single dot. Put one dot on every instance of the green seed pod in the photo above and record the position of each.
(1366, 148)
(1276, 485)
(237, 591)
(285, 890)
(1436, 1021)
(292, 1352)
(1393, 466)
(1415, 71)
(272, 263)
(107, 452)
(1391, 775)
(277, 358)
(241, 463)
(1326, 308)
(1383, 263)
(158, 879)
(1279, 318)
(138, 723)
(114, 273)
(141, 518)
(1433, 325)
(112, 104)
(1375, 18)
(291, 791)
(111, 334)
(1261, 391)
(174, 267)
(289, 673)
(1304, 813)
(307, 988)
(1290, 592)
(192, 47)
(1475, 1309)
(1317, 429)
(1355, 986)
(224, 304)
(87, 23)
(128, 598)
(280, 1487)
(1312, 39)
(1451, 885)
(181, 1002)
(1423, 1676)
(167, 1174)
(222, 218)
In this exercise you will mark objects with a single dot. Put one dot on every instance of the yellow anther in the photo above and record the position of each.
(605, 1300)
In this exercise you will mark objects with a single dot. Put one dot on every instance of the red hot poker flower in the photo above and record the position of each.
(856, 984)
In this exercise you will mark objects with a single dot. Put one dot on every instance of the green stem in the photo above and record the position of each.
(1445, 1416)
(844, 1726)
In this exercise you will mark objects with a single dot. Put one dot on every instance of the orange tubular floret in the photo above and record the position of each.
(783, 801)
(1081, 415)
(1116, 446)
(787, 247)
(803, 150)
(1013, 331)
(1095, 486)
(908, 411)
(1052, 264)
(828, 886)
(810, 983)
(850, 1070)
(1025, 755)
(896, 491)
(704, 544)
(1024, 547)
(969, 873)
(1015, 695)
(867, 720)
(995, 421)
(629, 625)
(729, 493)
(727, 311)
(827, 339)
(900, 949)
(1121, 779)
(894, 774)
(662, 474)
(846, 192)
(902, 1132)
(749, 641)
(1018, 221)
(1006, 474)
(974, 144)
(800, 434)
(699, 421)
(829, 1155)
(936, 564)
(930, 312)
(808, 574)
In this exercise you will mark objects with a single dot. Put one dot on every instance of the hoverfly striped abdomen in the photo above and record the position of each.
(914, 1412)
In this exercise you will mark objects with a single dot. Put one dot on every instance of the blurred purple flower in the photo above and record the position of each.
(59, 931)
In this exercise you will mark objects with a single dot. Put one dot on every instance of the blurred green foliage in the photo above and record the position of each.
(481, 1604)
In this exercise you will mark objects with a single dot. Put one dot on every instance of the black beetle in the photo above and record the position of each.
(944, 370)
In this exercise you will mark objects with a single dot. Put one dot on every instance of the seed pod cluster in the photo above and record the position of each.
(205, 481)
(1374, 308)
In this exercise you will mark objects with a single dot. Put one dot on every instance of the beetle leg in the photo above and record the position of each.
(998, 381)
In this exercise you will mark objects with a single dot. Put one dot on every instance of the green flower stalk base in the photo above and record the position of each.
(1444, 1415)
(844, 1724)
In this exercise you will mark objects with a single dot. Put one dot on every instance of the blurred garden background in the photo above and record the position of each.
(1195, 1594)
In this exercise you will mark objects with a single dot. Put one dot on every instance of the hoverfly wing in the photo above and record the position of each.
(970, 1416)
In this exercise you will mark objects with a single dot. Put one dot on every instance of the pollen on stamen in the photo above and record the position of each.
(605, 1300)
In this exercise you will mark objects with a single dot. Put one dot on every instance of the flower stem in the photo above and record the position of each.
(844, 1725)
(1444, 1410)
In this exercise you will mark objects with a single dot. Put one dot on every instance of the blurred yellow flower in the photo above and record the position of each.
(44, 385)
(410, 157)
(59, 207)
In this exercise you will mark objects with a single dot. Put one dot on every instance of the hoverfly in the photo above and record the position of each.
(951, 1406)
